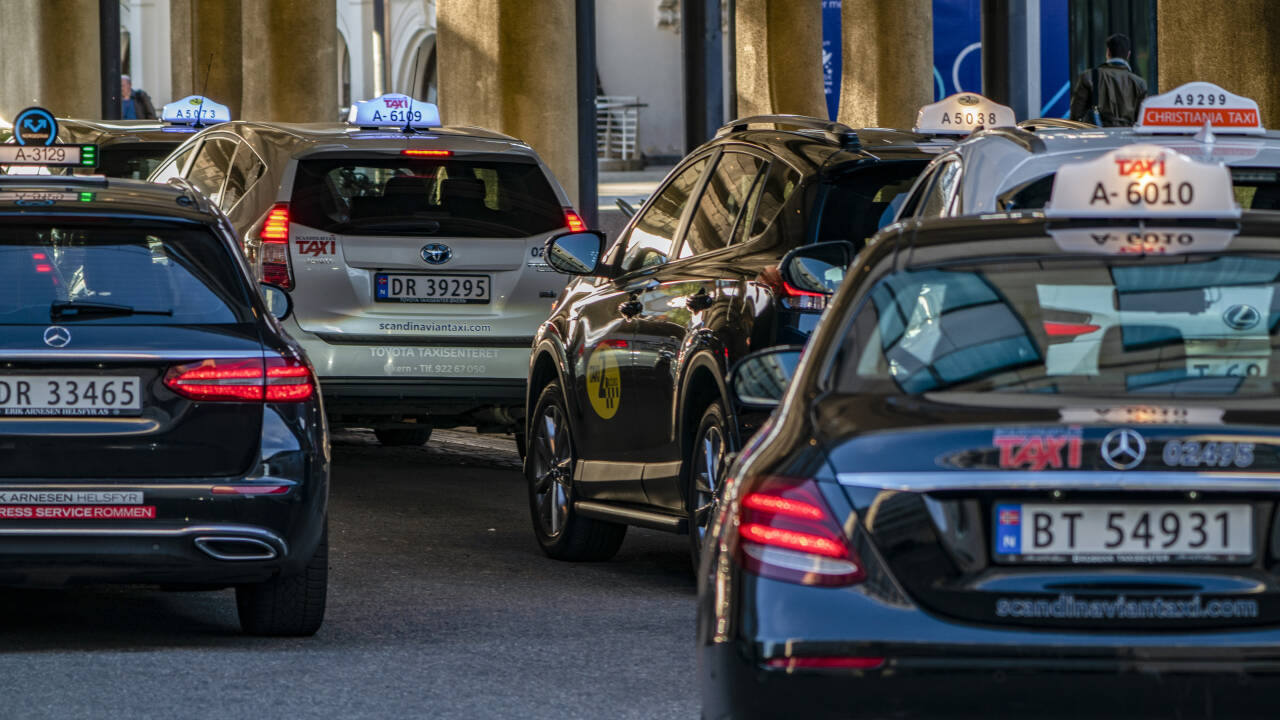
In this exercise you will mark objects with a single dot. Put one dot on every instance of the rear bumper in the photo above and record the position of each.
(346, 396)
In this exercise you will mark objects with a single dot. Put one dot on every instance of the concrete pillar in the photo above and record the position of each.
(779, 49)
(290, 60)
(1233, 43)
(49, 52)
(510, 66)
(204, 36)
(887, 70)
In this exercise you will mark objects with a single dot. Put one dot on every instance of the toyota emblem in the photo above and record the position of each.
(437, 253)
(1123, 449)
(57, 336)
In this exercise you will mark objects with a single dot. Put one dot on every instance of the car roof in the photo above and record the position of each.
(94, 195)
(818, 152)
(998, 160)
(111, 132)
(296, 139)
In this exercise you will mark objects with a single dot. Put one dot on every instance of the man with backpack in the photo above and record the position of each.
(1109, 95)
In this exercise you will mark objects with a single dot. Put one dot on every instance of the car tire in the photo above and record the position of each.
(702, 473)
(290, 604)
(548, 469)
(401, 437)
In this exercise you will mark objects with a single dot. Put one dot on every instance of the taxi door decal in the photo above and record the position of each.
(604, 382)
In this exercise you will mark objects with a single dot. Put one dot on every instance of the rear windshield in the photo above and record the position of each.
(857, 205)
(431, 197)
(145, 275)
(1179, 326)
(131, 160)
(1255, 189)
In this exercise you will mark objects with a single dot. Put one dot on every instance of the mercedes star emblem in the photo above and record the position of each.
(1123, 449)
(436, 253)
(57, 336)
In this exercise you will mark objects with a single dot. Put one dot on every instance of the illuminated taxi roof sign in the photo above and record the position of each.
(1143, 181)
(195, 110)
(961, 114)
(1187, 109)
(394, 110)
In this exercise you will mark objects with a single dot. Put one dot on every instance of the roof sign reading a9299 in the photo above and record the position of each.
(1188, 108)
(1143, 181)
(961, 114)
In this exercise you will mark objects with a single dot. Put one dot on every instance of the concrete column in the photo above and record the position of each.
(779, 49)
(49, 52)
(510, 66)
(1233, 43)
(205, 42)
(888, 62)
(290, 60)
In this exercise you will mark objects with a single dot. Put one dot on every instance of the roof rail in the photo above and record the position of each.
(836, 132)
(1045, 123)
(1018, 136)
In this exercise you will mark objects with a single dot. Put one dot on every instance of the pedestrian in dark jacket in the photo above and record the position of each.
(134, 104)
(1109, 95)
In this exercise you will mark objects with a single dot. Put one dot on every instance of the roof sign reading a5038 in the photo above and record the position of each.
(961, 114)
(1138, 181)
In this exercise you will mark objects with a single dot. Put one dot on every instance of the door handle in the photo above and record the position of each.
(630, 308)
(698, 301)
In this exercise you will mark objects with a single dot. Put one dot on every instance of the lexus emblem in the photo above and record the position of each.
(1241, 317)
(56, 336)
(437, 253)
(1123, 449)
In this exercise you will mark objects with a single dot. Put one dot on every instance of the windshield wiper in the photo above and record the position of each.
(78, 310)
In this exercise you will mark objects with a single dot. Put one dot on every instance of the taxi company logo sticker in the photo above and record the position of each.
(317, 247)
(604, 382)
(57, 336)
(78, 512)
(1123, 449)
(1039, 449)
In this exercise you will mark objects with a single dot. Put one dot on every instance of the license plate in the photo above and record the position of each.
(69, 395)
(469, 289)
(1129, 533)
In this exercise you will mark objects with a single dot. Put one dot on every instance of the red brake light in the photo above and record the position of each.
(250, 489)
(275, 247)
(275, 229)
(242, 380)
(794, 298)
(574, 221)
(846, 663)
(787, 532)
(1062, 329)
(427, 153)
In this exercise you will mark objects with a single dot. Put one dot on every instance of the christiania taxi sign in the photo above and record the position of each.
(195, 110)
(394, 110)
(1188, 108)
(961, 114)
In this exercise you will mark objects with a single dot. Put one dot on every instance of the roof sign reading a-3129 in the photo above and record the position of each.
(35, 132)
(1188, 108)
(961, 114)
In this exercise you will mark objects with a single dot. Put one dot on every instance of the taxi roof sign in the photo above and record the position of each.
(961, 114)
(195, 110)
(394, 110)
(1143, 181)
(1186, 110)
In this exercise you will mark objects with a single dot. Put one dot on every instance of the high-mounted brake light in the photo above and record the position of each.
(426, 153)
(275, 247)
(242, 380)
(574, 221)
(826, 663)
(1063, 329)
(787, 532)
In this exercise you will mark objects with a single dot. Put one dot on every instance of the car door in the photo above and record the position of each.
(208, 169)
(682, 314)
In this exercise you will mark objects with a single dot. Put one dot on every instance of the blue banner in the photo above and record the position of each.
(831, 55)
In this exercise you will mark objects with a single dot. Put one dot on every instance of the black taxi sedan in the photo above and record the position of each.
(1026, 467)
(156, 424)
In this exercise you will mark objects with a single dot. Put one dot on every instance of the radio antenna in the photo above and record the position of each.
(203, 87)
(413, 83)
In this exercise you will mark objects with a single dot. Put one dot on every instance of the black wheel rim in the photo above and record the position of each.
(708, 464)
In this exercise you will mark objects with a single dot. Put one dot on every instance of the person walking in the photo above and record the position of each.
(134, 104)
(1109, 94)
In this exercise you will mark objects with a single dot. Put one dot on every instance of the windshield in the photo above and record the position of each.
(427, 197)
(1254, 189)
(151, 275)
(1146, 327)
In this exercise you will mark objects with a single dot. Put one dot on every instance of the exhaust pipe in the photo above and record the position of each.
(225, 547)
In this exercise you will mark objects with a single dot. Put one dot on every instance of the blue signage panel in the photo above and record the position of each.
(831, 55)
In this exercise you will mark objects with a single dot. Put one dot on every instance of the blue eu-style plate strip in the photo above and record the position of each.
(1009, 529)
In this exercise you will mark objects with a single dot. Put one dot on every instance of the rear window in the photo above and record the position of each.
(1255, 189)
(859, 204)
(131, 160)
(168, 275)
(1188, 326)
(425, 197)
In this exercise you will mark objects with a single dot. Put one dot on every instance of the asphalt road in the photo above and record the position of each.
(440, 605)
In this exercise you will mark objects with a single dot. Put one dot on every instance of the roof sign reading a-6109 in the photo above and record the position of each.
(1143, 181)
(1188, 108)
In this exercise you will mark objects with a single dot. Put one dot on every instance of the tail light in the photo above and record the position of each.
(787, 532)
(574, 221)
(793, 298)
(1068, 330)
(243, 380)
(274, 255)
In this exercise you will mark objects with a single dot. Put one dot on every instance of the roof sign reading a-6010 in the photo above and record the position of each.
(1188, 108)
(1140, 181)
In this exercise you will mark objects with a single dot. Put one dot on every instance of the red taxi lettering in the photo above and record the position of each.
(1141, 167)
(317, 247)
(1039, 452)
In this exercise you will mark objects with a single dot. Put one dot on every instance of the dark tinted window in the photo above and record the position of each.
(860, 203)
(403, 196)
(725, 195)
(131, 160)
(651, 239)
(1255, 189)
(183, 270)
(246, 168)
(938, 201)
(209, 169)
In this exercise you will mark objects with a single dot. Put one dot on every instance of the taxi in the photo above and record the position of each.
(160, 426)
(135, 148)
(412, 253)
(1031, 453)
(1012, 167)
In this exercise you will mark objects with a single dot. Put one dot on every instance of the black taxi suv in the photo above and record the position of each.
(157, 425)
(626, 410)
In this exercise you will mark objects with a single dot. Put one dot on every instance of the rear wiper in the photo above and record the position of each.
(77, 310)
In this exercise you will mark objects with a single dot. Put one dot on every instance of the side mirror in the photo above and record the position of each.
(575, 253)
(279, 304)
(818, 268)
(760, 379)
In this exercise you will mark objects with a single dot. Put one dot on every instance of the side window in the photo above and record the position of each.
(765, 214)
(655, 230)
(721, 203)
(937, 202)
(209, 169)
(173, 168)
(246, 168)
(861, 202)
